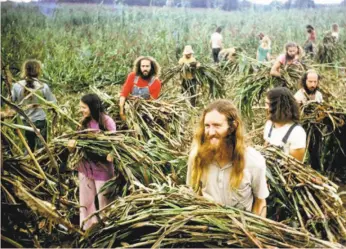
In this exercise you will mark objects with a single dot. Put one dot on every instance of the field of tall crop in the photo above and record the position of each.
(91, 49)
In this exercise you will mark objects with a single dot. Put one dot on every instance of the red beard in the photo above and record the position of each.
(208, 152)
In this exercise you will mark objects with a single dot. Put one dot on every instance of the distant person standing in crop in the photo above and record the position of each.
(142, 82)
(216, 44)
(335, 31)
(291, 56)
(282, 128)
(221, 167)
(309, 88)
(23, 93)
(94, 171)
(189, 83)
(264, 50)
(311, 40)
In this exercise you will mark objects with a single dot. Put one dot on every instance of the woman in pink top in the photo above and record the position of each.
(93, 173)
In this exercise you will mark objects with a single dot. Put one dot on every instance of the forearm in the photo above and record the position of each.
(121, 104)
(260, 207)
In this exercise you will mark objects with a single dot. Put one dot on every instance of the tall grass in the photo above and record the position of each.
(97, 44)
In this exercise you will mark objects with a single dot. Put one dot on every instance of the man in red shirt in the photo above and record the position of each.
(142, 82)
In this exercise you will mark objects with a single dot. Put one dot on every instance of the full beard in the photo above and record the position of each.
(308, 91)
(209, 152)
(145, 77)
(288, 57)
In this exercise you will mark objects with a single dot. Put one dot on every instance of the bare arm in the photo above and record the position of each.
(298, 154)
(121, 105)
(260, 207)
(275, 69)
(268, 56)
(257, 55)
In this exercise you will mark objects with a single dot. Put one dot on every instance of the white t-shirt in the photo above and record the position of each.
(216, 182)
(216, 40)
(296, 140)
(302, 97)
(336, 35)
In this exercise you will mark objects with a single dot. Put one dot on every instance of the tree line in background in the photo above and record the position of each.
(220, 4)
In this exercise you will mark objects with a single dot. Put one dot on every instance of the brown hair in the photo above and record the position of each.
(31, 70)
(282, 105)
(236, 139)
(155, 67)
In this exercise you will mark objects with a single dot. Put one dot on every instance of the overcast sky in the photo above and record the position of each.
(254, 1)
(316, 1)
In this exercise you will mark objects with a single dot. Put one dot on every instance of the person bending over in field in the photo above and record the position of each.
(94, 171)
(220, 167)
(23, 93)
(142, 82)
(291, 56)
(309, 88)
(189, 83)
(282, 128)
(227, 54)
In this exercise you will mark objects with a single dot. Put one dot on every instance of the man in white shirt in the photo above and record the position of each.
(309, 89)
(216, 44)
(221, 167)
(282, 128)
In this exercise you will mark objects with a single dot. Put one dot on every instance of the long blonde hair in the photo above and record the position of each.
(266, 42)
(236, 139)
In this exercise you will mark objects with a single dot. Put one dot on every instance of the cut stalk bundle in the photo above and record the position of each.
(175, 217)
(147, 162)
(326, 127)
(252, 87)
(329, 50)
(207, 76)
(305, 195)
(165, 119)
(33, 212)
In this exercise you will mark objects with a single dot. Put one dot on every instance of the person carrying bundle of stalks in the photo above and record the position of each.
(23, 93)
(220, 166)
(282, 129)
(306, 94)
(292, 56)
(142, 82)
(189, 83)
(94, 171)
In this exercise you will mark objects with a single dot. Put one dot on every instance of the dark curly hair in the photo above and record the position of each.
(282, 105)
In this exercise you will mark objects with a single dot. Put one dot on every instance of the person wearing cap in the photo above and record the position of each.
(189, 83)
(142, 82)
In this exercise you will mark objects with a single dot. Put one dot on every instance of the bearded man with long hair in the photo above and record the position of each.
(220, 167)
(292, 55)
(142, 82)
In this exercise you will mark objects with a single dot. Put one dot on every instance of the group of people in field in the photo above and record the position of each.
(220, 166)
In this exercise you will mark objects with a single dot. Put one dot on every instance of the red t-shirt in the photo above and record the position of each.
(154, 89)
